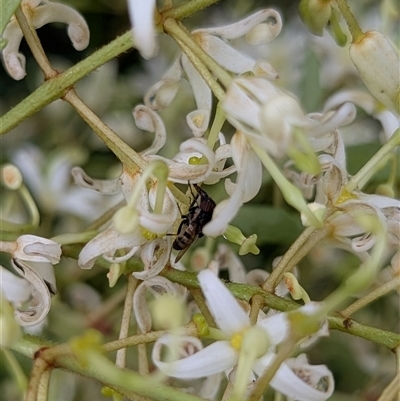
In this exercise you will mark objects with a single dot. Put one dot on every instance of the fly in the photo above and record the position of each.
(192, 224)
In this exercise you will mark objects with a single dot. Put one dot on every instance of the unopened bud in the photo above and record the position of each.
(377, 64)
(315, 14)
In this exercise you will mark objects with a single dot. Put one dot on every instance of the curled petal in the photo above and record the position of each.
(265, 32)
(148, 120)
(78, 30)
(225, 55)
(142, 18)
(363, 243)
(155, 256)
(199, 119)
(182, 172)
(296, 378)
(37, 249)
(344, 115)
(215, 358)
(107, 242)
(264, 69)
(227, 259)
(108, 187)
(240, 28)
(162, 93)
(158, 286)
(14, 61)
(15, 289)
(219, 300)
(39, 304)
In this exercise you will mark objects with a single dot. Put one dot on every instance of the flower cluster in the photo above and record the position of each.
(259, 146)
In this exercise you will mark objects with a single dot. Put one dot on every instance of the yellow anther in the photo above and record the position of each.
(236, 341)
(149, 235)
(345, 196)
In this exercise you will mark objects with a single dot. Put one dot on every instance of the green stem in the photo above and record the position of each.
(98, 367)
(126, 319)
(56, 87)
(246, 292)
(128, 157)
(216, 127)
(351, 22)
(374, 161)
(371, 297)
(289, 191)
(33, 41)
(303, 244)
(178, 32)
(262, 382)
(187, 9)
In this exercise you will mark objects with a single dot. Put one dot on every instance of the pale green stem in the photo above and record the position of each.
(128, 157)
(371, 297)
(262, 382)
(357, 281)
(43, 388)
(99, 368)
(289, 191)
(8, 247)
(161, 173)
(39, 368)
(33, 40)
(126, 319)
(216, 127)
(351, 22)
(190, 330)
(187, 9)
(392, 391)
(147, 173)
(307, 240)
(15, 369)
(143, 360)
(30, 204)
(72, 238)
(177, 31)
(374, 161)
(215, 87)
(56, 87)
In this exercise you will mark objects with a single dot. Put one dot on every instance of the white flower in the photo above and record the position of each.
(141, 13)
(42, 12)
(269, 116)
(248, 183)
(259, 28)
(225, 354)
(36, 287)
(349, 209)
(49, 180)
(157, 286)
(369, 104)
(37, 249)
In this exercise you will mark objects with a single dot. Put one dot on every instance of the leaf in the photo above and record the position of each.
(7, 9)
(272, 225)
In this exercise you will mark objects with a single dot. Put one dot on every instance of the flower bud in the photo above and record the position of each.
(11, 177)
(377, 64)
(315, 14)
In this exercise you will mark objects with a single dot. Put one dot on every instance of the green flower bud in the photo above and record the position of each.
(315, 14)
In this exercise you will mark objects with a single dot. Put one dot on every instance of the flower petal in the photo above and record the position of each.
(215, 358)
(141, 13)
(39, 304)
(107, 242)
(227, 312)
(297, 379)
